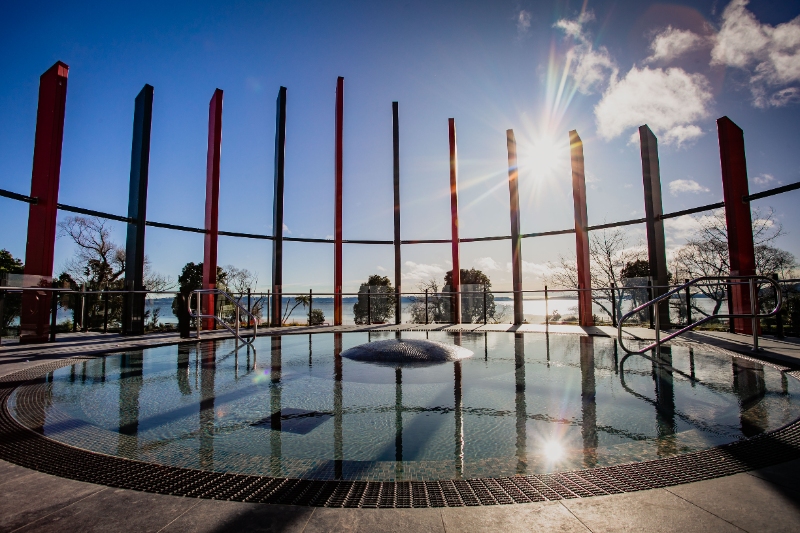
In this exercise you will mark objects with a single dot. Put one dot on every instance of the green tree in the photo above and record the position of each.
(472, 297)
(11, 303)
(378, 294)
(191, 279)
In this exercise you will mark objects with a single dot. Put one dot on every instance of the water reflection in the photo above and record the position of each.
(519, 403)
(208, 373)
(588, 403)
(750, 388)
(130, 386)
(568, 410)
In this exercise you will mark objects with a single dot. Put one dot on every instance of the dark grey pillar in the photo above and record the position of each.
(277, 208)
(133, 313)
(397, 264)
(656, 249)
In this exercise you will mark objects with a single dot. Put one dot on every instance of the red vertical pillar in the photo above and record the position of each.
(455, 284)
(337, 242)
(516, 242)
(42, 215)
(581, 232)
(737, 216)
(212, 204)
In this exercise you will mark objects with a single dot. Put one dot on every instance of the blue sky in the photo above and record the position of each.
(540, 68)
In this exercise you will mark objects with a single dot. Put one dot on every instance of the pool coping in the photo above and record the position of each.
(25, 447)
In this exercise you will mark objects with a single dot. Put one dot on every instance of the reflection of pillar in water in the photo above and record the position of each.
(520, 405)
(616, 358)
(691, 367)
(547, 347)
(182, 373)
(398, 422)
(208, 369)
(338, 454)
(459, 417)
(665, 402)
(749, 386)
(275, 405)
(588, 403)
(130, 385)
(309, 351)
(485, 346)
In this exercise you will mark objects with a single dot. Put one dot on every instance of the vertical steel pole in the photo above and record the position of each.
(650, 297)
(614, 304)
(546, 308)
(198, 323)
(249, 309)
(779, 316)
(310, 304)
(369, 306)
(754, 312)
(455, 284)
(516, 242)
(133, 314)
(426, 306)
(45, 176)
(737, 214)
(688, 304)
(398, 309)
(212, 203)
(484, 304)
(337, 211)
(105, 310)
(53, 312)
(277, 208)
(585, 317)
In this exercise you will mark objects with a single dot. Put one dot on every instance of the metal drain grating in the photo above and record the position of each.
(30, 449)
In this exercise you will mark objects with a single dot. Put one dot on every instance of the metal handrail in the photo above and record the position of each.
(725, 279)
(199, 316)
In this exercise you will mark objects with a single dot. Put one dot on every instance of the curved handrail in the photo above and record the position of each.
(725, 279)
(219, 320)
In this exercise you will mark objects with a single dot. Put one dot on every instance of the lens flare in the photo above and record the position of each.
(553, 451)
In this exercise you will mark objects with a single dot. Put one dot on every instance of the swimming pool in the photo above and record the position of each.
(522, 404)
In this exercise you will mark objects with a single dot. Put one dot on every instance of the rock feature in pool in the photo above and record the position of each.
(406, 351)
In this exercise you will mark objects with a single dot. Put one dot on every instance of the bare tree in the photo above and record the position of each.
(609, 253)
(437, 308)
(706, 253)
(98, 261)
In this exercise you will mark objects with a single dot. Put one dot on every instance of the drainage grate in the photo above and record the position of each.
(27, 448)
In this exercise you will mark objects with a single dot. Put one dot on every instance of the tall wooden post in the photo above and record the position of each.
(398, 307)
(337, 212)
(737, 216)
(585, 317)
(516, 242)
(133, 314)
(656, 249)
(277, 208)
(40, 248)
(455, 284)
(212, 205)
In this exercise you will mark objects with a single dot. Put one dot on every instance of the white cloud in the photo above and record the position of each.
(537, 269)
(677, 187)
(770, 54)
(381, 268)
(422, 272)
(486, 264)
(523, 21)
(673, 43)
(589, 68)
(668, 101)
(763, 179)
(286, 228)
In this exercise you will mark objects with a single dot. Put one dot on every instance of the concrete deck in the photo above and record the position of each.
(760, 500)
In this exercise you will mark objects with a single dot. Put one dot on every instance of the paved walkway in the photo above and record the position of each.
(761, 500)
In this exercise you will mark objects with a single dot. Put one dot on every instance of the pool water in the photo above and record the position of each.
(522, 404)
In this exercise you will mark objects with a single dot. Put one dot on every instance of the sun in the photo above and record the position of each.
(547, 157)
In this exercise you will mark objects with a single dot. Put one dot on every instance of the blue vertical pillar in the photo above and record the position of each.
(277, 208)
(133, 313)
